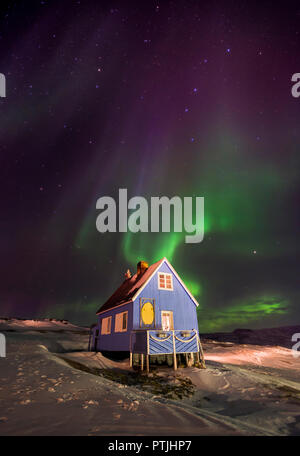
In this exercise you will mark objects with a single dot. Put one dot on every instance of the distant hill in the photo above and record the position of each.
(268, 336)
(45, 324)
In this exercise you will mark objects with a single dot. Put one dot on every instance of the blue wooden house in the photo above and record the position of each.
(151, 313)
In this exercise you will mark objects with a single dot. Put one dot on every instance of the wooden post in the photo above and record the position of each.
(201, 354)
(198, 357)
(130, 350)
(90, 336)
(142, 361)
(148, 355)
(192, 359)
(174, 352)
(175, 361)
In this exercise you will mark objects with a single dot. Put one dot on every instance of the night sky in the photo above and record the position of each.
(161, 98)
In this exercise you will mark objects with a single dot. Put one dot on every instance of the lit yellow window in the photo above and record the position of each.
(106, 325)
(165, 281)
(167, 322)
(121, 321)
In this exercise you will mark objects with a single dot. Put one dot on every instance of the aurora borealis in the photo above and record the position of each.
(162, 98)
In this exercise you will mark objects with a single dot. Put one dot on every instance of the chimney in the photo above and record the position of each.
(142, 266)
(127, 274)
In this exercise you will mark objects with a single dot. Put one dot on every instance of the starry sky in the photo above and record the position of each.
(162, 98)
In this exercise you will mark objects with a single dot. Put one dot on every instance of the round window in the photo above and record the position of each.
(147, 313)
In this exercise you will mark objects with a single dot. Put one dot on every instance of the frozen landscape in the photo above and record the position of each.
(51, 385)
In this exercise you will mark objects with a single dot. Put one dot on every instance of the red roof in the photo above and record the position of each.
(129, 288)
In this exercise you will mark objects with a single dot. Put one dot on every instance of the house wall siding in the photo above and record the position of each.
(115, 341)
(178, 301)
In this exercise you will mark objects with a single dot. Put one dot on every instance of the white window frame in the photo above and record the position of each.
(165, 276)
(104, 321)
(121, 316)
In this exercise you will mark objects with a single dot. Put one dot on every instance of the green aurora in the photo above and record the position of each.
(195, 108)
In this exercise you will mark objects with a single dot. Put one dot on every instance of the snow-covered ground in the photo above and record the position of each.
(50, 385)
